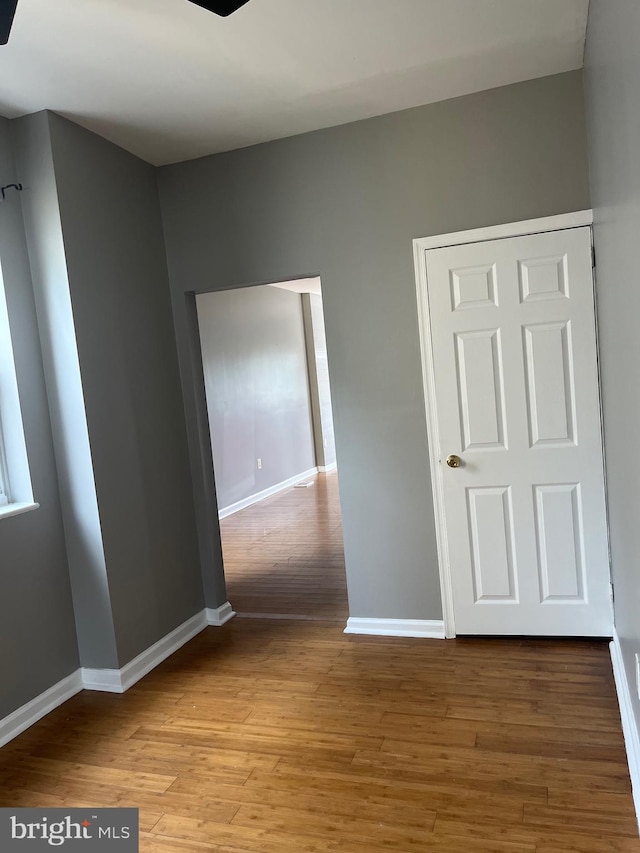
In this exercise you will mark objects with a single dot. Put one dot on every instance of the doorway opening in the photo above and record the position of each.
(268, 397)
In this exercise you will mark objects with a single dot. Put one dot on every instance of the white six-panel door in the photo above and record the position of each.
(515, 376)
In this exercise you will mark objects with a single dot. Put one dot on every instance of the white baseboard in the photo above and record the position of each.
(119, 680)
(265, 493)
(220, 615)
(433, 628)
(110, 680)
(37, 708)
(629, 726)
(104, 680)
(324, 469)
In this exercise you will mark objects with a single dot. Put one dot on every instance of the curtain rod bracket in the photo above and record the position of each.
(3, 190)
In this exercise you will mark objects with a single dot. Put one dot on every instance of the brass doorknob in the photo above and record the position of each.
(454, 461)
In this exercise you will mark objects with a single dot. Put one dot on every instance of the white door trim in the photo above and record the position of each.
(513, 229)
(420, 245)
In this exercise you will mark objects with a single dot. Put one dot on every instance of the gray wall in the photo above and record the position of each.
(319, 385)
(345, 203)
(255, 368)
(37, 634)
(126, 345)
(612, 80)
(102, 295)
(83, 534)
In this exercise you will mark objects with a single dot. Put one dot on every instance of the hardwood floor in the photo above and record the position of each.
(287, 736)
(285, 554)
(268, 736)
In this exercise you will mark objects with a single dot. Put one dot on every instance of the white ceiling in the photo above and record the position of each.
(300, 285)
(169, 81)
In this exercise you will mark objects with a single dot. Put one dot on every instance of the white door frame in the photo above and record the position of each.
(420, 245)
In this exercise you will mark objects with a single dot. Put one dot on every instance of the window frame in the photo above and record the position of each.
(16, 491)
(5, 489)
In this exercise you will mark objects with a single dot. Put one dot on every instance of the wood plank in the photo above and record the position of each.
(285, 554)
(276, 736)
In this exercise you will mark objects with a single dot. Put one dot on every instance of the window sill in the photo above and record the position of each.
(16, 509)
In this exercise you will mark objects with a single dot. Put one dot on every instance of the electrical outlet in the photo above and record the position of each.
(638, 674)
(259, 463)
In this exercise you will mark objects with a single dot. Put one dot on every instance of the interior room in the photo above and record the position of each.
(266, 378)
(457, 182)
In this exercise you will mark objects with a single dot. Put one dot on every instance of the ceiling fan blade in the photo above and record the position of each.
(220, 7)
(7, 11)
